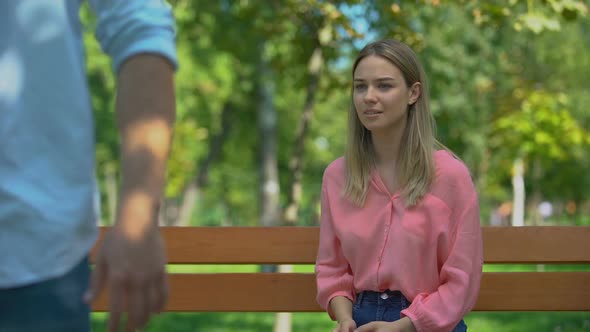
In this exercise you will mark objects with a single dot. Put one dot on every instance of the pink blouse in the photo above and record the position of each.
(431, 252)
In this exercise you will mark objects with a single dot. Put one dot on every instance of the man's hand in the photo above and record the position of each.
(347, 325)
(132, 258)
(135, 271)
(402, 325)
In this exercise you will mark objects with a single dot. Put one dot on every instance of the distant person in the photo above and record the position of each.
(48, 192)
(400, 238)
(501, 215)
(545, 210)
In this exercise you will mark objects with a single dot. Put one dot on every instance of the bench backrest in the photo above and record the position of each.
(295, 292)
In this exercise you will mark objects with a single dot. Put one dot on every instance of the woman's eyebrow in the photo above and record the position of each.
(386, 78)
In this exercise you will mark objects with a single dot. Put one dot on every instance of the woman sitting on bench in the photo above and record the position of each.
(400, 239)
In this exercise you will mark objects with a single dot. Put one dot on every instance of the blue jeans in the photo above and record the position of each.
(53, 305)
(374, 306)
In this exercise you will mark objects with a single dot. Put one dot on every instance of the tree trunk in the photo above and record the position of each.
(192, 192)
(315, 202)
(267, 124)
(283, 320)
(269, 178)
(168, 212)
(519, 194)
(534, 216)
(268, 165)
(291, 213)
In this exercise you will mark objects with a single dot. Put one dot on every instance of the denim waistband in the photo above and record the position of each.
(382, 297)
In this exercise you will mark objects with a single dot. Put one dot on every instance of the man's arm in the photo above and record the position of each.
(132, 256)
(145, 116)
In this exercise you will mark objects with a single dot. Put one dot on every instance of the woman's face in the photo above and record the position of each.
(381, 96)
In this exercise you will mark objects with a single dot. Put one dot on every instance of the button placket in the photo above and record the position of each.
(386, 229)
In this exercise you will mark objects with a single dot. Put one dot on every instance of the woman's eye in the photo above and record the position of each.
(384, 86)
(360, 86)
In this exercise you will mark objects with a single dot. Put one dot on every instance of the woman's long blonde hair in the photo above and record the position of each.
(415, 162)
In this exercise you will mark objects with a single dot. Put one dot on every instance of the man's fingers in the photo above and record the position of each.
(155, 296)
(136, 288)
(97, 280)
(118, 291)
(152, 293)
(139, 306)
(159, 292)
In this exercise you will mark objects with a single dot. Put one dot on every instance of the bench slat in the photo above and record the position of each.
(537, 244)
(298, 245)
(240, 245)
(295, 292)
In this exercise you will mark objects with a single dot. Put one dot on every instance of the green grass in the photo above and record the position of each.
(224, 322)
(535, 267)
(248, 268)
(311, 322)
(529, 321)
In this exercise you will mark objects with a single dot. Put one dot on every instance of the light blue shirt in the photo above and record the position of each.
(48, 193)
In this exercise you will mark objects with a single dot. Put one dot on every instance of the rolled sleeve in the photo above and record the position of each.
(460, 275)
(126, 28)
(333, 274)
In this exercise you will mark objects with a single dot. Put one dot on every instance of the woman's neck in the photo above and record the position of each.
(387, 146)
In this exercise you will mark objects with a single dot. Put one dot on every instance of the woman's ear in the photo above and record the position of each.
(414, 93)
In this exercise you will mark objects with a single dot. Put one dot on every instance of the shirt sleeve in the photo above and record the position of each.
(129, 27)
(460, 274)
(333, 274)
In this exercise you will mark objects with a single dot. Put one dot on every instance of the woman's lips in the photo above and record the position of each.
(372, 113)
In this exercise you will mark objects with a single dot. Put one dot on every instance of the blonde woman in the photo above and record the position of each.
(400, 239)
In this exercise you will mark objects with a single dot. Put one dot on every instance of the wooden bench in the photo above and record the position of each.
(295, 292)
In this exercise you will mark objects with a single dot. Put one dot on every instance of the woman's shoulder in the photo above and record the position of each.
(335, 171)
(451, 175)
(449, 165)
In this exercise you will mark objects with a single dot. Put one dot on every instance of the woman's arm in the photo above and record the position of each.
(341, 307)
(461, 272)
(333, 275)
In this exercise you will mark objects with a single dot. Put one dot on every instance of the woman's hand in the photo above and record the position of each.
(347, 325)
(402, 325)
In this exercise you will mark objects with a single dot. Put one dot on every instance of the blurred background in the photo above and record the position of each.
(262, 100)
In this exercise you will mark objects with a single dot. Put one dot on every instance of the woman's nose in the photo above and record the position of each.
(370, 95)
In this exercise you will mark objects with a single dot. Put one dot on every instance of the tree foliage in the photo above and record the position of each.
(508, 79)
